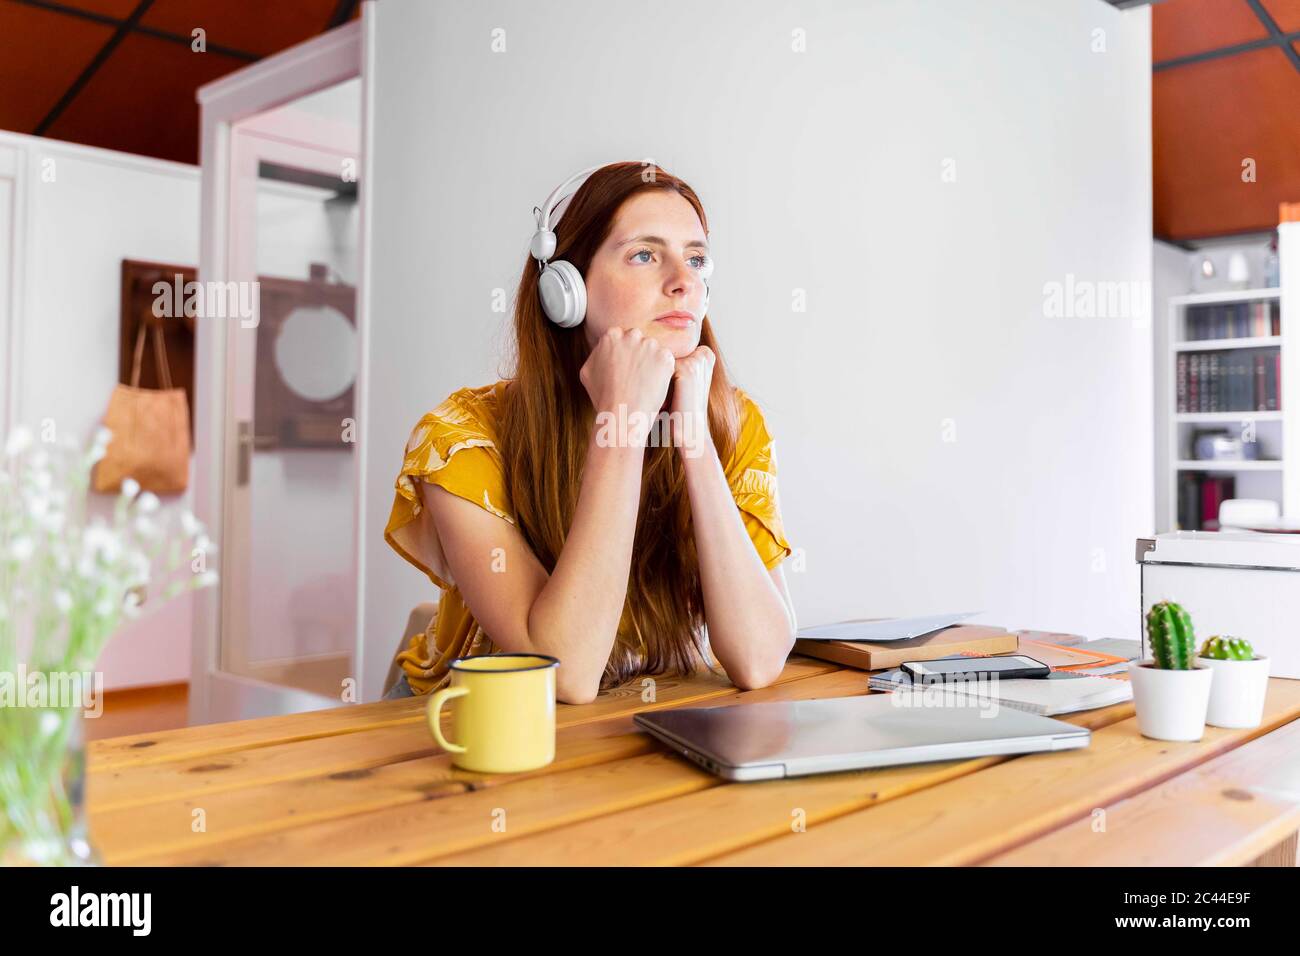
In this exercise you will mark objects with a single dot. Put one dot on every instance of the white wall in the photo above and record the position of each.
(70, 233)
(1170, 276)
(820, 171)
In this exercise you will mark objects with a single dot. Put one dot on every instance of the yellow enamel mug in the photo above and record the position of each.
(504, 717)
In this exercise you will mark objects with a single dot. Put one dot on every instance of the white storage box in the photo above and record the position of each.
(1241, 584)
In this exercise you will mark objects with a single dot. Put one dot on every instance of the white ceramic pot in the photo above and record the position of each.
(1237, 693)
(1171, 705)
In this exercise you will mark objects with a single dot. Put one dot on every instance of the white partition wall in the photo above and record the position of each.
(69, 215)
(895, 192)
(1288, 250)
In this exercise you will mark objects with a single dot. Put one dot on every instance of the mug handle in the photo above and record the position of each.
(434, 711)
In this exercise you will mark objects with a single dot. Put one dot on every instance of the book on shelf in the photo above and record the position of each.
(1239, 380)
(1234, 320)
(1199, 497)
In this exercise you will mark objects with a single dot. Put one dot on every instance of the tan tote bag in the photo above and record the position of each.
(151, 430)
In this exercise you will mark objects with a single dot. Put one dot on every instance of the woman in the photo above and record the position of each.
(552, 518)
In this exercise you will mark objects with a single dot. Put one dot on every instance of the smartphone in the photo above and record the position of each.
(974, 668)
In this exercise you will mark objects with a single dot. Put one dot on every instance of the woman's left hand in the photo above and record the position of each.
(690, 405)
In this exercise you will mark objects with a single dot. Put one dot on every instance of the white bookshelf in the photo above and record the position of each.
(1275, 431)
(1261, 478)
(1214, 345)
(1230, 466)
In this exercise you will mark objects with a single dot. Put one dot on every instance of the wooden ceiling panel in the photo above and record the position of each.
(1286, 13)
(255, 26)
(1183, 27)
(1206, 119)
(142, 100)
(34, 70)
(117, 9)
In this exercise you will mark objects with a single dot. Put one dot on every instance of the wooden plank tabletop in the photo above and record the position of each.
(366, 784)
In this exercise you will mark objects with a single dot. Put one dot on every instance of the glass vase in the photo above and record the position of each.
(43, 787)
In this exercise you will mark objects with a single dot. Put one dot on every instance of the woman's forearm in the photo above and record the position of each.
(575, 616)
(750, 629)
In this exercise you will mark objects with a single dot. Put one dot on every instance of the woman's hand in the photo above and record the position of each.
(692, 379)
(629, 371)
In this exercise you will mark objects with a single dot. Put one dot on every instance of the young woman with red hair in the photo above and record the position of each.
(551, 518)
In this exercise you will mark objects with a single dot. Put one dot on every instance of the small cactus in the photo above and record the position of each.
(1227, 649)
(1172, 642)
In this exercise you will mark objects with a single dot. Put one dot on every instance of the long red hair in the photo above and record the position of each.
(547, 420)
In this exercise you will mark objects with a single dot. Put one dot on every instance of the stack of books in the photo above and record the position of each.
(1236, 380)
(1199, 497)
(1234, 320)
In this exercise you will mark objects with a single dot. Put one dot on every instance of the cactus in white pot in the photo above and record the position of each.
(1171, 689)
(1240, 681)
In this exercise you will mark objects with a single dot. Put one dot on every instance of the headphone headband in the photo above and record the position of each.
(544, 214)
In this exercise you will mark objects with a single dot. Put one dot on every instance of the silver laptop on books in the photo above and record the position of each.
(792, 738)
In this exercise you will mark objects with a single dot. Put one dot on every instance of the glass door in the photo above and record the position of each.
(285, 262)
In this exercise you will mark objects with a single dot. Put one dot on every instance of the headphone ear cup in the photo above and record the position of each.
(563, 294)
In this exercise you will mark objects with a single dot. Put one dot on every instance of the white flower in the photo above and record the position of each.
(20, 549)
(63, 601)
(131, 604)
(147, 503)
(100, 543)
(20, 439)
(103, 607)
(99, 446)
(146, 528)
(130, 487)
(203, 544)
(190, 524)
(137, 567)
(38, 506)
(206, 579)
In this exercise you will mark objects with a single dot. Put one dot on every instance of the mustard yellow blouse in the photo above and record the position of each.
(455, 446)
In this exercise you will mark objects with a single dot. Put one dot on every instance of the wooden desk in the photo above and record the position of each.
(365, 784)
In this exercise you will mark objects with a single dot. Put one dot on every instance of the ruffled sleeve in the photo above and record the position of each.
(454, 447)
(752, 477)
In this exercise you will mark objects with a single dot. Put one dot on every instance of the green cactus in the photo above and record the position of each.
(1227, 649)
(1172, 642)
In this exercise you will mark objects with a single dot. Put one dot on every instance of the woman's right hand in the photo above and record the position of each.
(630, 369)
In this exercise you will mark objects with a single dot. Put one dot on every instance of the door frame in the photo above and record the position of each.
(334, 57)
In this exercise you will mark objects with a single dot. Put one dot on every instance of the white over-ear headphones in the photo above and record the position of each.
(560, 285)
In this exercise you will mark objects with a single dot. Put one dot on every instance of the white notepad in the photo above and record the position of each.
(891, 629)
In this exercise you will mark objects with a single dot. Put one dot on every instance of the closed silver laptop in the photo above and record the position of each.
(791, 738)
